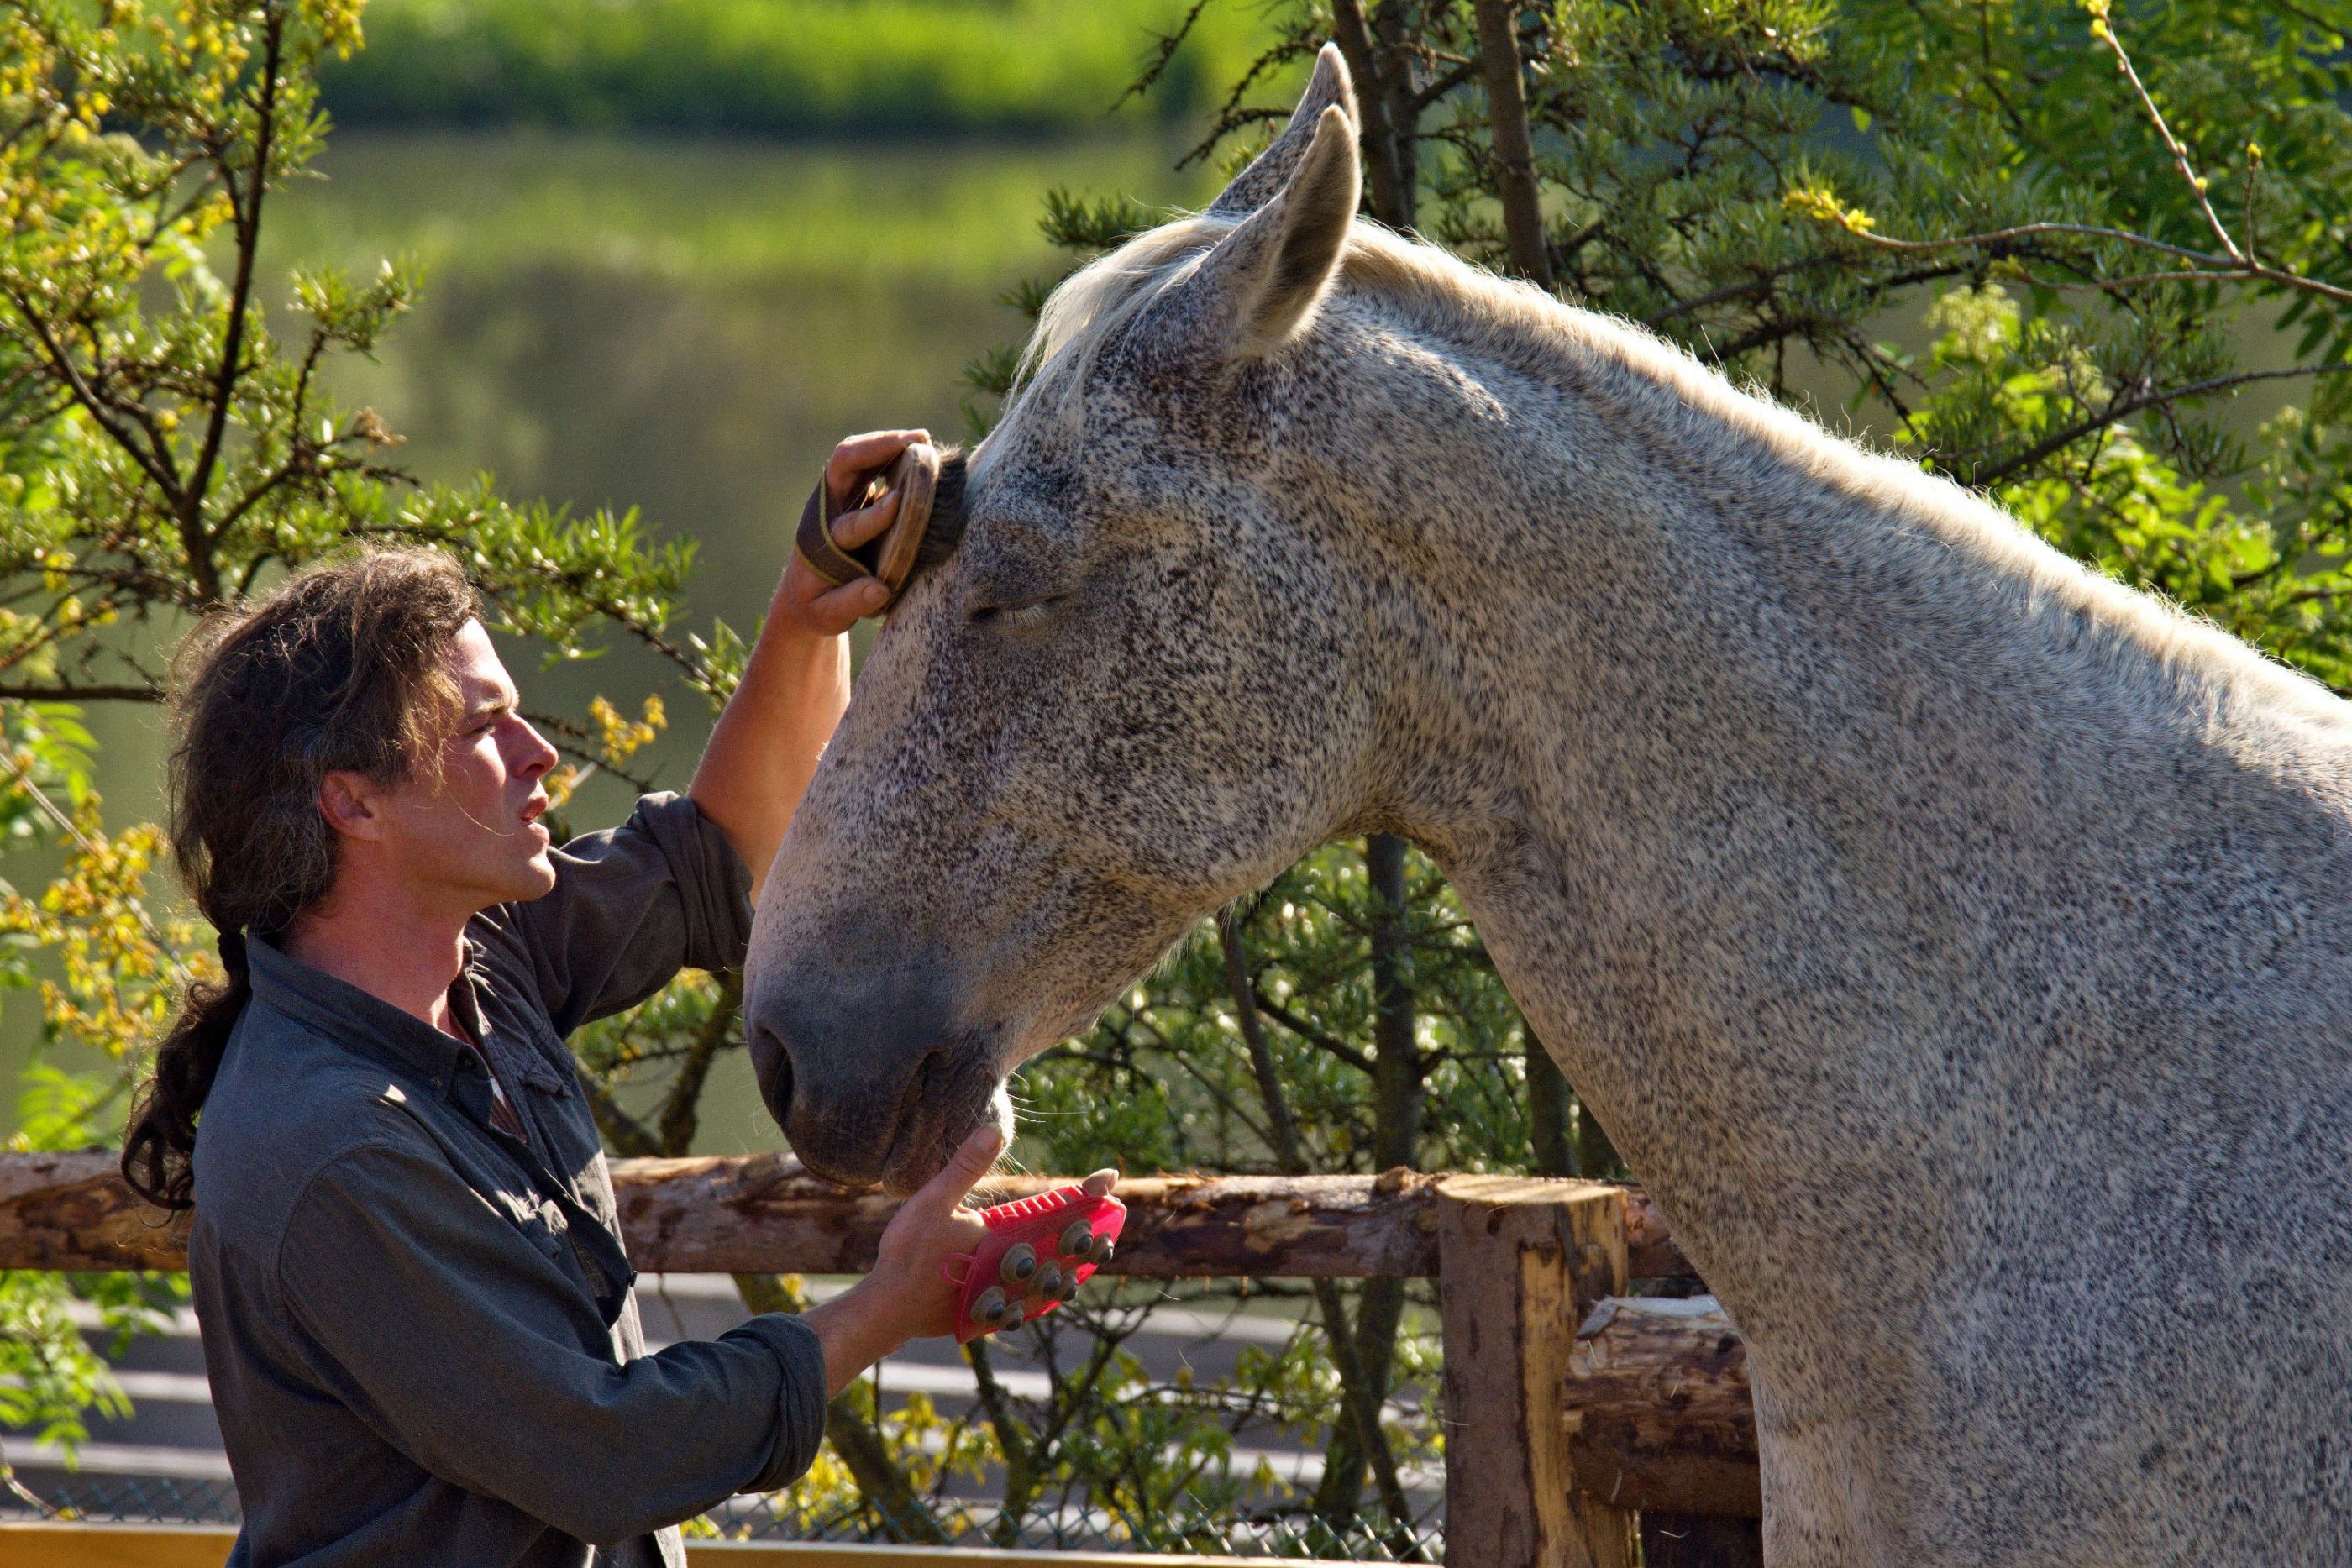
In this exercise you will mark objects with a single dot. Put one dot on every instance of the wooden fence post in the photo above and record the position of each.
(1520, 1262)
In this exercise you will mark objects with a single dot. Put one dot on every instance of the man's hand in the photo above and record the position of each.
(807, 602)
(908, 1295)
(933, 1226)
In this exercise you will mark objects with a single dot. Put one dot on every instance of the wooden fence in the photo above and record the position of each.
(1585, 1429)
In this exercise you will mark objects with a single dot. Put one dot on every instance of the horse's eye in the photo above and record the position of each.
(1016, 612)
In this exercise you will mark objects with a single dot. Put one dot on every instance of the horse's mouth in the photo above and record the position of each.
(943, 1105)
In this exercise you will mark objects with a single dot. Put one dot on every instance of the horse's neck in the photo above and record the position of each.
(1755, 779)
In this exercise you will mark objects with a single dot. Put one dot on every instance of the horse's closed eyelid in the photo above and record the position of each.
(1015, 611)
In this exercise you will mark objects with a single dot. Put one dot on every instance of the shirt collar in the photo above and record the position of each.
(354, 1018)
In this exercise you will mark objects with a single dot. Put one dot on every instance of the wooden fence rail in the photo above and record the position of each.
(1585, 1429)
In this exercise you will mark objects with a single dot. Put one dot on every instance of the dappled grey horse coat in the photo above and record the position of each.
(1947, 937)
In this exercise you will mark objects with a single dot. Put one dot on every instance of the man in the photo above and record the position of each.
(404, 1254)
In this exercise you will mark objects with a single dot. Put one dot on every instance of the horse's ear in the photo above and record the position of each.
(1271, 170)
(1256, 287)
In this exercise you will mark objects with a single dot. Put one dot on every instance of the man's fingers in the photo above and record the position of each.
(864, 453)
(1099, 1184)
(837, 609)
(974, 1158)
(854, 529)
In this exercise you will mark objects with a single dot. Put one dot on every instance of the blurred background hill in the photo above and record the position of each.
(806, 68)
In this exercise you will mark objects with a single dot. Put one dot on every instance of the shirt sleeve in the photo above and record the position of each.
(631, 906)
(441, 1324)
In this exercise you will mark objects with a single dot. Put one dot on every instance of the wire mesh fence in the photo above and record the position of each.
(1188, 1528)
(126, 1499)
(1192, 1526)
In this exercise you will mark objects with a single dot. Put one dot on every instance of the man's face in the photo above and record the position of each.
(472, 837)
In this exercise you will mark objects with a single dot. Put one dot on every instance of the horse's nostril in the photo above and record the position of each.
(772, 1066)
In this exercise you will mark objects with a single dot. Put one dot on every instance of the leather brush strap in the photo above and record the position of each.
(814, 541)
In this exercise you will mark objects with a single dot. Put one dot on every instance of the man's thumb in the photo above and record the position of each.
(974, 1158)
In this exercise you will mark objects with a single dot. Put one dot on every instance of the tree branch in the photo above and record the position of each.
(1315, 1037)
(66, 692)
(156, 465)
(2103, 29)
(2124, 408)
(681, 1105)
(1355, 1389)
(193, 538)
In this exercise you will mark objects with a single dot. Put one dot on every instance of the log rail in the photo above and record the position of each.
(1604, 1429)
(764, 1214)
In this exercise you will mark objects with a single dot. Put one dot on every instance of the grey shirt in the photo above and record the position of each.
(419, 1331)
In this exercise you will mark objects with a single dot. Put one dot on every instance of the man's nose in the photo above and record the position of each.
(537, 756)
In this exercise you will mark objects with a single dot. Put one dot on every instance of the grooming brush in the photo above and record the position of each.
(1038, 1252)
(929, 484)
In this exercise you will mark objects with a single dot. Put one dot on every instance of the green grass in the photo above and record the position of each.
(789, 67)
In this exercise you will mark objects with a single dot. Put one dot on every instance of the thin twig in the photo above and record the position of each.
(193, 536)
(2125, 407)
(2104, 30)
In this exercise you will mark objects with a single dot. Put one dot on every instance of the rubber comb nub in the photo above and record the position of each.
(1038, 1252)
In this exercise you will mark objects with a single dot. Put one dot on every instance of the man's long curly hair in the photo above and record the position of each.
(342, 668)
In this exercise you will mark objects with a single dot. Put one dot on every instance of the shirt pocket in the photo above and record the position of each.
(541, 1223)
(562, 1110)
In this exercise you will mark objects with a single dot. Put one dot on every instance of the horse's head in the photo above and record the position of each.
(1138, 689)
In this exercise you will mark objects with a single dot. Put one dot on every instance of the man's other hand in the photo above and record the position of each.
(908, 1294)
(808, 602)
(930, 1228)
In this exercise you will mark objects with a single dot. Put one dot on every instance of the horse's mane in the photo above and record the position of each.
(1519, 325)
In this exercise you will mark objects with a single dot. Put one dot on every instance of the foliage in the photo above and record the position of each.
(170, 459)
(121, 966)
(923, 67)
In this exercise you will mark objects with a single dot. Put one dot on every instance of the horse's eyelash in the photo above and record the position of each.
(1016, 612)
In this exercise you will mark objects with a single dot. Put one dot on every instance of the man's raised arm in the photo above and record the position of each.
(764, 748)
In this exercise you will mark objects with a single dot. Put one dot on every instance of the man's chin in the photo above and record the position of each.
(535, 878)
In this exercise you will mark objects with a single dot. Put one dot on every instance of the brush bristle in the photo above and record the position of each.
(945, 530)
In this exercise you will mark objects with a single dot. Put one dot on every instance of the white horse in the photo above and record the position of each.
(1938, 928)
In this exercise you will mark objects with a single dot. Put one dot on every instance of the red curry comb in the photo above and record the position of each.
(1038, 1252)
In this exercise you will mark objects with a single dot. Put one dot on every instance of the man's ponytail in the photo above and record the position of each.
(163, 1131)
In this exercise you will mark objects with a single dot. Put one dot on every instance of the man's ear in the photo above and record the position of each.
(1328, 88)
(350, 803)
(1257, 287)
